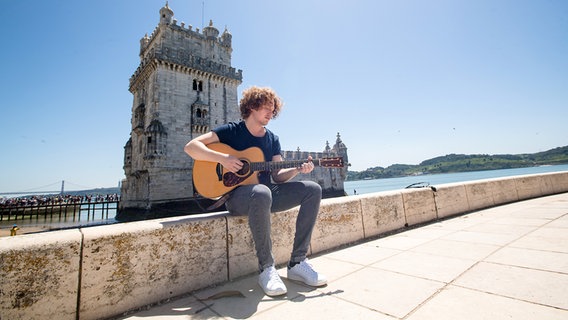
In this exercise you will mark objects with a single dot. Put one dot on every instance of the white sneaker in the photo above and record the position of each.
(305, 273)
(270, 282)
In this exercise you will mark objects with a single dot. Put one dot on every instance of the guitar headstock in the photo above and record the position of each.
(336, 162)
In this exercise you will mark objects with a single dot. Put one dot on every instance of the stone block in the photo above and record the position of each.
(504, 191)
(529, 186)
(39, 275)
(479, 194)
(339, 223)
(283, 232)
(382, 212)
(419, 205)
(130, 265)
(561, 181)
(240, 247)
(556, 182)
(451, 199)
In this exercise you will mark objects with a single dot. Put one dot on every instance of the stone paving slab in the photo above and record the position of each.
(461, 303)
(537, 286)
(507, 262)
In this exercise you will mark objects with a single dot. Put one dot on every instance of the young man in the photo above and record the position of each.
(274, 193)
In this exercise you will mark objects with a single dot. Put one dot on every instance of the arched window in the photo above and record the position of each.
(199, 117)
(197, 85)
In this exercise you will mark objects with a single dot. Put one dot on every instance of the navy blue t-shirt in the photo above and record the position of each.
(237, 136)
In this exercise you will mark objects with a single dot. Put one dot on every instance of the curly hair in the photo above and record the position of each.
(255, 97)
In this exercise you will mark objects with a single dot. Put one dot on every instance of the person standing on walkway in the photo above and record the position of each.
(273, 193)
(14, 230)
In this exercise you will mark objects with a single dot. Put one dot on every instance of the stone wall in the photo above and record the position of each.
(103, 271)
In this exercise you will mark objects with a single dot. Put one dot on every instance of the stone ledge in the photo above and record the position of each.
(103, 271)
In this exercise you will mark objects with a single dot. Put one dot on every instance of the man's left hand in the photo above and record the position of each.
(307, 167)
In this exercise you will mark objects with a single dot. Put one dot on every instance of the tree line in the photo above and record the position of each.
(463, 163)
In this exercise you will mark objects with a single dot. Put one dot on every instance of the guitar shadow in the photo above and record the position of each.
(244, 298)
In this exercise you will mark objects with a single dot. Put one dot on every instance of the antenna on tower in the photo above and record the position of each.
(202, 14)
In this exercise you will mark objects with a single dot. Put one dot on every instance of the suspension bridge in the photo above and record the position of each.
(50, 189)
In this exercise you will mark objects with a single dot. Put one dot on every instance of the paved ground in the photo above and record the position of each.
(508, 262)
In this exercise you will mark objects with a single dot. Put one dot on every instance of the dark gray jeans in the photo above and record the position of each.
(258, 201)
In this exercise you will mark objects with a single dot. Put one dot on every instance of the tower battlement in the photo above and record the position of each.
(184, 48)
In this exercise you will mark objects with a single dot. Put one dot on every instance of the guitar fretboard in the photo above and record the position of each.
(271, 165)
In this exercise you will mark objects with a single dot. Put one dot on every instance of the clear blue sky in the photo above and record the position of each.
(402, 81)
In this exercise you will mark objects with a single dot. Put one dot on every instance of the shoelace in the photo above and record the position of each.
(308, 267)
(273, 275)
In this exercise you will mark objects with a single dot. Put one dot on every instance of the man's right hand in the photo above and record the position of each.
(232, 163)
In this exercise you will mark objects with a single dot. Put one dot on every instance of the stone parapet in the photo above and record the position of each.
(100, 272)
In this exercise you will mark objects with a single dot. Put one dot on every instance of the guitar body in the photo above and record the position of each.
(212, 180)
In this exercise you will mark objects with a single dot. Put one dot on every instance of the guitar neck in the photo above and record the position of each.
(272, 165)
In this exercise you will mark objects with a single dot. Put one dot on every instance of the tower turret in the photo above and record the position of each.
(226, 38)
(340, 148)
(327, 150)
(166, 15)
(210, 31)
(144, 43)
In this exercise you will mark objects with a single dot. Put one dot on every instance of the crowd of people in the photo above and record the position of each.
(38, 200)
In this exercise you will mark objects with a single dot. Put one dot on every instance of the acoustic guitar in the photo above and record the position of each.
(211, 180)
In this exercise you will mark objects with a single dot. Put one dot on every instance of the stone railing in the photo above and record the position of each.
(103, 271)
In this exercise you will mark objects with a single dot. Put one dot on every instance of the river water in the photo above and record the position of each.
(34, 223)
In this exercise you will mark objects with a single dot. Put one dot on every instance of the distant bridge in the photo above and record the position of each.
(61, 191)
(32, 192)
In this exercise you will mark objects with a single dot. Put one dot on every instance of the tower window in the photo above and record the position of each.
(197, 85)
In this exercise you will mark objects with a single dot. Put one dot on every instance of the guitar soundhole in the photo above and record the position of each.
(231, 179)
(245, 169)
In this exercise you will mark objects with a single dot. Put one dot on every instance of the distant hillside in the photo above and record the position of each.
(463, 163)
